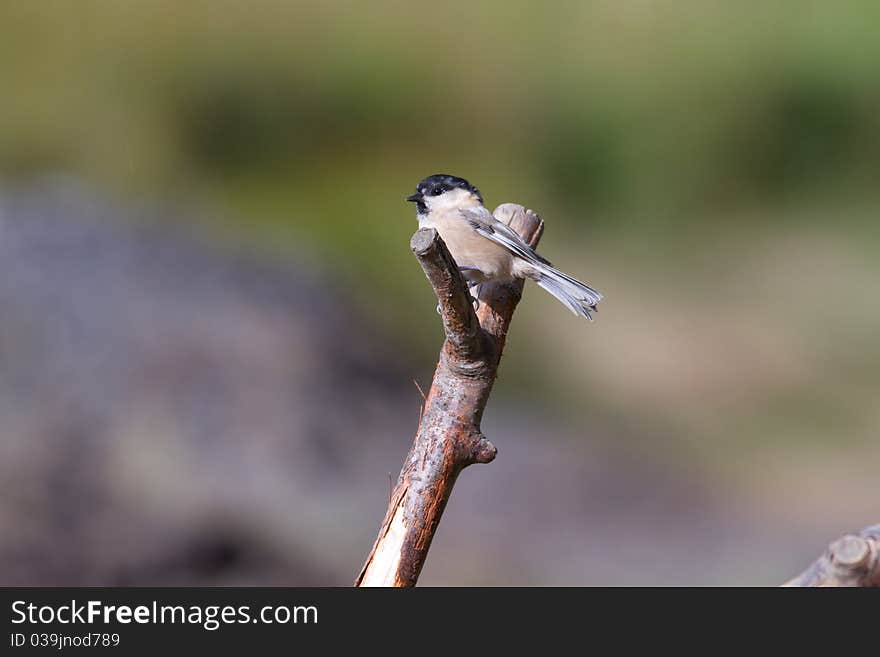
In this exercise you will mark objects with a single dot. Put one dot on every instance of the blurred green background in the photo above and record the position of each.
(711, 167)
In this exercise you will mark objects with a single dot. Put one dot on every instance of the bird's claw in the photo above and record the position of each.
(475, 298)
(475, 301)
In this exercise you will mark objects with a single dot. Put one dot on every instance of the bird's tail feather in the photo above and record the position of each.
(578, 297)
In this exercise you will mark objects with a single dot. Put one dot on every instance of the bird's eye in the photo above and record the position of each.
(436, 191)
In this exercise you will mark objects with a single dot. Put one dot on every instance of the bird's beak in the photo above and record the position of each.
(415, 198)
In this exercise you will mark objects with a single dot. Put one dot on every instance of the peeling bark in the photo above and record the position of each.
(449, 437)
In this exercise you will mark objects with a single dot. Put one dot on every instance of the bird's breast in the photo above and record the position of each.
(469, 248)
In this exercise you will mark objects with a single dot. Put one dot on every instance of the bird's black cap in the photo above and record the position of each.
(439, 183)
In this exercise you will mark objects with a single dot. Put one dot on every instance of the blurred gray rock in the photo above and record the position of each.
(172, 413)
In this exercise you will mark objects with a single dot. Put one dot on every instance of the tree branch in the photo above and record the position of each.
(449, 437)
(463, 334)
(852, 560)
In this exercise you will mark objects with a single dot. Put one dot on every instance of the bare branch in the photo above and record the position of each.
(852, 560)
(462, 328)
(449, 437)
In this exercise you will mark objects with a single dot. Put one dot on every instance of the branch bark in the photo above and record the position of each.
(852, 560)
(449, 437)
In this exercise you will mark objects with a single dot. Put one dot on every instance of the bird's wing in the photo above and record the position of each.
(485, 224)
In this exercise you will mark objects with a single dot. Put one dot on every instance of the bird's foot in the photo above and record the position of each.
(473, 282)
(475, 301)
(475, 297)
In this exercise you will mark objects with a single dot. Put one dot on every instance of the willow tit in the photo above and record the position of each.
(486, 249)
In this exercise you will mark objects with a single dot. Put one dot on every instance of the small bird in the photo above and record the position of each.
(486, 249)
